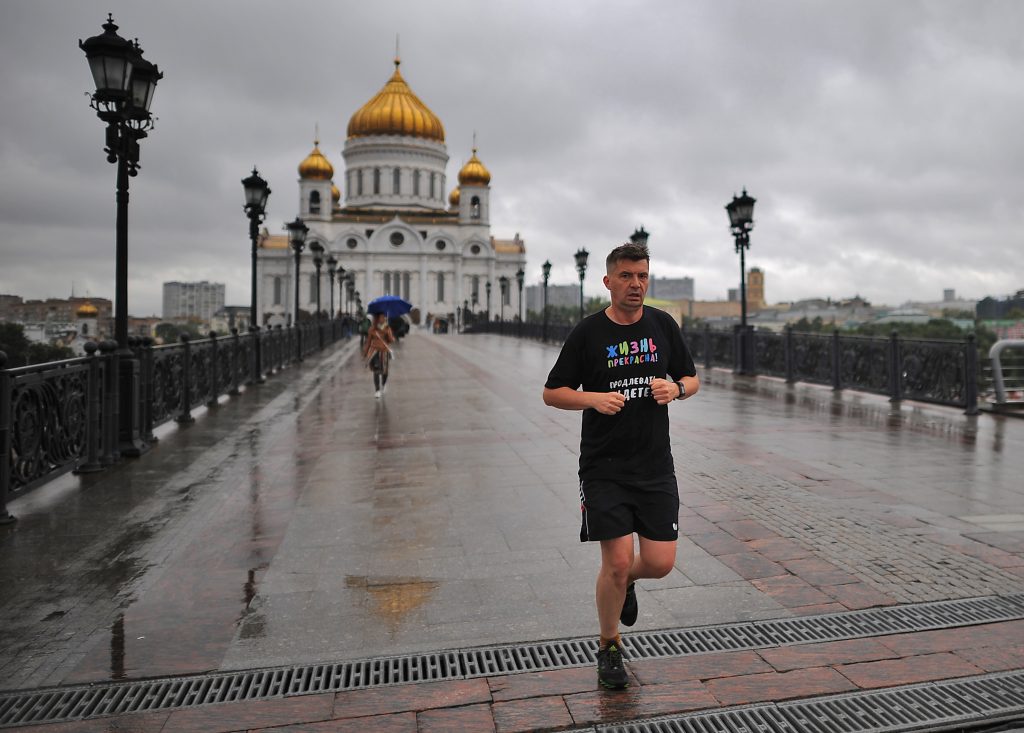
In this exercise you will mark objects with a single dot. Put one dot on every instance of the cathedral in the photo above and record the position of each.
(400, 230)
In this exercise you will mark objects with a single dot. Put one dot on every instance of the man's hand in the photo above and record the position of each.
(663, 391)
(608, 403)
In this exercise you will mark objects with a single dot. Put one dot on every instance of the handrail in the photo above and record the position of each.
(997, 367)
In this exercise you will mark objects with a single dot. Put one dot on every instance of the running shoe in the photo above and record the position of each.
(629, 607)
(611, 673)
(377, 394)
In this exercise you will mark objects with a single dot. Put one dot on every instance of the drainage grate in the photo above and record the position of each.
(934, 706)
(74, 703)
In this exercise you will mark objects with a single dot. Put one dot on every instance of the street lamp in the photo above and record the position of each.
(520, 277)
(297, 231)
(256, 194)
(546, 269)
(125, 83)
(332, 270)
(318, 262)
(488, 301)
(350, 289)
(639, 236)
(503, 283)
(741, 221)
(581, 267)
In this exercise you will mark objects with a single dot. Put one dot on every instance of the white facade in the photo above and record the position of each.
(396, 232)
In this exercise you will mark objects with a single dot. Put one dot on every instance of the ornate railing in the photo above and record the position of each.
(942, 372)
(938, 371)
(64, 416)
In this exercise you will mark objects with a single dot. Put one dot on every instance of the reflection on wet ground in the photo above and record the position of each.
(307, 521)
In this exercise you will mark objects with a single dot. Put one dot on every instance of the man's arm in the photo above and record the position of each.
(567, 398)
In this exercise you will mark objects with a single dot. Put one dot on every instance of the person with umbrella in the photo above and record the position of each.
(379, 337)
(377, 351)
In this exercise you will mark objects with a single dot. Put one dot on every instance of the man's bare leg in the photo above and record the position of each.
(616, 562)
(655, 560)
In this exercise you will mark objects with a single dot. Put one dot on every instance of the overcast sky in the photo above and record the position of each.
(882, 140)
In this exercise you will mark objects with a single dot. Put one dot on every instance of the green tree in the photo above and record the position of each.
(22, 352)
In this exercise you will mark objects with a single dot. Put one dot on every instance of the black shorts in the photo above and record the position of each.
(614, 508)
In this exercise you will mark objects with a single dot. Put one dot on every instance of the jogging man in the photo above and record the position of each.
(621, 367)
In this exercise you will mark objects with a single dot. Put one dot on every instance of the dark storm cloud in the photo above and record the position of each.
(881, 139)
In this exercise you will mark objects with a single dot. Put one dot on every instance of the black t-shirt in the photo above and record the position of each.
(603, 356)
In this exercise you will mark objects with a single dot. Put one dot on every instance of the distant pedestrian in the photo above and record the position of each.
(377, 351)
(621, 367)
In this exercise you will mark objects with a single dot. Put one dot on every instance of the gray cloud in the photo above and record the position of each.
(881, 139)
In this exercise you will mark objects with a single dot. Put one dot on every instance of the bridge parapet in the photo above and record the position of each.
(63, 416)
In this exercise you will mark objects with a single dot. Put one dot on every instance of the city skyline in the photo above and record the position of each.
(879, 140)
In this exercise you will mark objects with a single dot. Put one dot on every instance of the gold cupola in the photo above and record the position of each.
(396, 110)
(474, 173)
(453, 198)
(335, 194)
(87, 310)
(316, 166)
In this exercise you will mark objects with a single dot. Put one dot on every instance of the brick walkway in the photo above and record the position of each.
(306, 521)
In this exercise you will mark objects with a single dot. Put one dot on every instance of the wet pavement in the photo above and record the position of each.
(306, 521)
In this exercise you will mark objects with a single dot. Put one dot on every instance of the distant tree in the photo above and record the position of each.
(22, 352)
(957, 313)
(169, 333)
(14, 343)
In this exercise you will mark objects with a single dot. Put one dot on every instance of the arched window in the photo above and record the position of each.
(433, 185)
(376, 180)
(314, 202)
(396, 180)
(387, 283)
(278, 294)
(405, 285)
(440, 287)
(416, 183)
(476, 289)
(474, 207)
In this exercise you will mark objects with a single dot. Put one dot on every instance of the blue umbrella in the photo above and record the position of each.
(390, 305)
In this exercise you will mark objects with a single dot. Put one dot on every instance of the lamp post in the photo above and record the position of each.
(465, 313)
(350, 289)
(741, 221)
(503, 284)
(546, 269)
(297, 231)
(332, 270)
(520, 277)
(488, 301)
(318, 262)
(581, 267)
(639, 236)
(125, 83)
(256, 194)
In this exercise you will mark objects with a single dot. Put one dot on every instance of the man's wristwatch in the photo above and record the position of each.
(682, 390)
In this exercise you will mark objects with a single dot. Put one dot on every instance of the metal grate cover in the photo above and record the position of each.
(75, 703)
(933, 706)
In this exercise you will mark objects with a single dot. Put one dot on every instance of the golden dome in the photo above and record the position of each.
(453, 198)
(396, 110)
(87, 310)
(335, 193)
(474, 173)
(316, 166)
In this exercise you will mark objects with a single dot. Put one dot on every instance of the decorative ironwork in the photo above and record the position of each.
(48, 420)
(864, 363)
(769, 353)
(168, 379)
(812, 358)
(933, 371)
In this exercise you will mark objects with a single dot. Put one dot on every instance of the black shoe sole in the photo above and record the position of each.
(607, 686)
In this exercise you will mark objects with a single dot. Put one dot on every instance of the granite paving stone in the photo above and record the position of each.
(907, 670)
(778, 686)
(533, 714)
(637, 702)
(468, 718)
